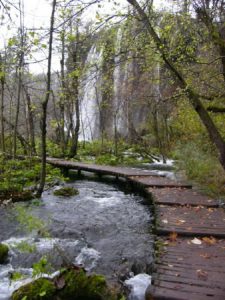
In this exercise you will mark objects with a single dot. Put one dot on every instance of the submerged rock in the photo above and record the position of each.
(3, 253)
(66, 191)
(72, 284)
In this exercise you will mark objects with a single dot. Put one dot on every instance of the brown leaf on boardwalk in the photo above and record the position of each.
(205, 255)
(173, 237)
(202, 274)
(209, 241)
(179, 222)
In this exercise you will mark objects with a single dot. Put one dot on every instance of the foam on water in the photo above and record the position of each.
(138, 285)
(88, 257)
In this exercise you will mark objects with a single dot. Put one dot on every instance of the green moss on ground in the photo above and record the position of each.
(3, 253)
(66, 191)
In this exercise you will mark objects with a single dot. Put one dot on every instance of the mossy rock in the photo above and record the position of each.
(72, 284)
(40, 289)
(66, 191)
(79, 286)
(3, 253)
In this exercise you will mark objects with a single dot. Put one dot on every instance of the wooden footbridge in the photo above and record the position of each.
(190, 235)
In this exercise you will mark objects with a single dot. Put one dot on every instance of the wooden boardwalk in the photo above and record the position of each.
(190, 235)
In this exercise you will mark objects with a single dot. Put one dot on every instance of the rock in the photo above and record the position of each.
(66, 191)
(41, 288)
(3, 253)
(148, 293)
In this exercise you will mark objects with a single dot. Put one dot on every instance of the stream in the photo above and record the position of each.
(104, 228)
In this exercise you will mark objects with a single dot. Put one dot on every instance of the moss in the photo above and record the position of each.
(79, 286)
(41, 288)
(72, 284)
(66, 191)
(3, 253)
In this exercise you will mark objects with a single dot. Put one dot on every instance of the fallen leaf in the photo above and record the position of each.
(210, 209)
(165, 221)
(196, 241)
(209, 241)
(179, 222)
(202, 274)
(205, 255)
(171, 266)
(173, 237)
(189, 228)
(60, 283)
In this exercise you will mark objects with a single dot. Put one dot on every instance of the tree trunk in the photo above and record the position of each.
(2, 105)
(22, 140)
(45, 105)
(62, 97)
(30, 121)
(75, 95)
(194, 99)
(19, 74)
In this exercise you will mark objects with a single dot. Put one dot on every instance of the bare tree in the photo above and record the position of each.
(45, 104)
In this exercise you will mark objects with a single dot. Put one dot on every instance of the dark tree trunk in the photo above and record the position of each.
(2, 105)
(75, 95)
(45, 105)
(63, 96)
(30, 121)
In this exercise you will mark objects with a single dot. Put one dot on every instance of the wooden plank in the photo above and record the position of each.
(157, 182)
(191, 221)
(100, 169)
(190, 271)
(181, 196)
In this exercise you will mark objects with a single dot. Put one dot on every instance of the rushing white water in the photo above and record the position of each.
(138, 285)
(90, 96)
(88, 229)
(118, 87)
(88, 257)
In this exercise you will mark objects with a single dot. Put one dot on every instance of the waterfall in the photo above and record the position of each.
(118, 104)
(90, 96)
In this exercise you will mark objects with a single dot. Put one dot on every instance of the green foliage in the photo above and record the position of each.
(4, 249)
(201, 166)
(15, 175)
(41, 267)
(25, 247)
(16, 276)
(103, 153)
(30, 222)
(107, 159)
(66, 191)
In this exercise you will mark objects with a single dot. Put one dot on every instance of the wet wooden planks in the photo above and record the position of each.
(158, 182)
(99, 169)
(190, 271)
(181, 196)
(191, 221)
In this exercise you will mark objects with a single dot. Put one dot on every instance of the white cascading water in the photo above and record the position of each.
(117, 87)
(90, 95)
